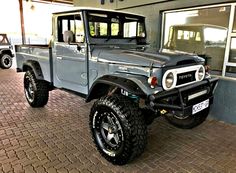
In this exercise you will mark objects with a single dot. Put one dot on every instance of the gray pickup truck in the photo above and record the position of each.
(103, 55)
(6, 52)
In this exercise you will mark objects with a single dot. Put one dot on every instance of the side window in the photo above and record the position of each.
(70, 28)
(115, 26)
(130, 29)
(115, 29)
(186, 35)
(98, 29)
(79, 31)
(198, 37)
(215, 36)
(180, 34)
(98, 25)
(141, 30)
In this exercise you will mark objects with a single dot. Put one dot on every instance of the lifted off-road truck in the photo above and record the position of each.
(103, 55)
(6, 52)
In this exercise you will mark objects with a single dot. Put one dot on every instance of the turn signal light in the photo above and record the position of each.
(152, 81)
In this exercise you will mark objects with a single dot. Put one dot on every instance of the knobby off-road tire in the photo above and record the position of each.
(118, 129)
(5, 61)
(36, 91)
(189, 121)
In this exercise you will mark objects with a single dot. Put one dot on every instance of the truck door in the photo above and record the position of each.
(70, 63)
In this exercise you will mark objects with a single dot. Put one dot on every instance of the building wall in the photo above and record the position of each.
(224, 107)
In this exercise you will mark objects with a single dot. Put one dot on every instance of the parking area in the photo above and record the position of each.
(56, 138)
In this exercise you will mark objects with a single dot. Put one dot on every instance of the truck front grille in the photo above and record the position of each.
(186, 77)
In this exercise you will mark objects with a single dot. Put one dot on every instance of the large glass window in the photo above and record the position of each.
(202, 31)
(116, 26)
(98, 29)
(232, 55)
(234, 25)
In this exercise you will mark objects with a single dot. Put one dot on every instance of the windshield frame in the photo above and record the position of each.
(110, 14)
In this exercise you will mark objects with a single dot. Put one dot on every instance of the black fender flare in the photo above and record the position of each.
(6, 51)
(35, 66)
(101, 87)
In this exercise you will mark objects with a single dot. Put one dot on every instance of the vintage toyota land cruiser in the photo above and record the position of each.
(102, 54)
(6, 52)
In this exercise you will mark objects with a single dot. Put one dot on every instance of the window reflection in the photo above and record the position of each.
(200, 31)
(234, 26)
(232, 55)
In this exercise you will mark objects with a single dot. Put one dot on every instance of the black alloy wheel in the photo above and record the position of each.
(6, 61)
(118, 128)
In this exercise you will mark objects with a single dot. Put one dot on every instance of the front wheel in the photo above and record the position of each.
(187, 122)
(118, 129)
(36, 91)
(5, 61)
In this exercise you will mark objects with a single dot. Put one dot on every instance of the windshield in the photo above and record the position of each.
(215, 36)
(116, 25)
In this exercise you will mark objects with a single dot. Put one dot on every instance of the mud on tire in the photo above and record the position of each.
(36, 91)
(118, 129)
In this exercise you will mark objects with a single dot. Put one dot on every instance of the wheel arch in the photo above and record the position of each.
(6, 51)
(102, 85)
(35, 66)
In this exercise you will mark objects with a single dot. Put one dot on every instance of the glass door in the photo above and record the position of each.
(229, 67)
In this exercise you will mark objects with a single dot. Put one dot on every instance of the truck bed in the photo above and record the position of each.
(38, 53)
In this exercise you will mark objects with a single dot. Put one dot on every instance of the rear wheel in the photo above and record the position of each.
(6, 61)
(118, 129)
(187, 122)
(36, 91)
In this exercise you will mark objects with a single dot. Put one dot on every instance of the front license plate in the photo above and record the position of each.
(200, 106)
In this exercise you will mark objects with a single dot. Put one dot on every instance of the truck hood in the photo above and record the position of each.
(162, 58)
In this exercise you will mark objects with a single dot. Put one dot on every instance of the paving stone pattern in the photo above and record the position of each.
(56, 138)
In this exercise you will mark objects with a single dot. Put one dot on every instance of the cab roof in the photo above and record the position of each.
(199, 25)
(77, 9)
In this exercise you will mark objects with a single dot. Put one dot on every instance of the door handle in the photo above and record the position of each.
(60, 58)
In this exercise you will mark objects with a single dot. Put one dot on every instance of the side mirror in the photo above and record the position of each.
(68, 37)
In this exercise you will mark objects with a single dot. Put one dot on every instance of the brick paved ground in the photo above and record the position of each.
(56, 139)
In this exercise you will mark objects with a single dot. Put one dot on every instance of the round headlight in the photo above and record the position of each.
(201, 73)
(169, 81)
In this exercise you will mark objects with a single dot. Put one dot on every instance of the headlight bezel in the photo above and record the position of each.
(164, 80)
(169, 80)
(201, 70)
